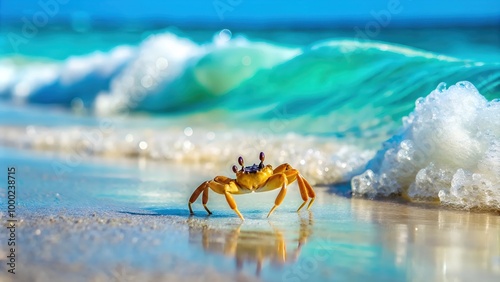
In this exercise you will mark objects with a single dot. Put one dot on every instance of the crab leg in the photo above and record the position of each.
(281, 195)
(232, 204)
(205, 199)
(274, 182)
(309, 189)
(223, 188)
(282, 168)
(305, 188)
(196, 194)
(303, 192)
(222, 179)
(292, 175)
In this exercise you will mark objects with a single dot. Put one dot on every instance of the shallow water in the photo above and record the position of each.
(106, 220)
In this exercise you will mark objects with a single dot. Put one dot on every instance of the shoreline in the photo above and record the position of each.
(107, 242)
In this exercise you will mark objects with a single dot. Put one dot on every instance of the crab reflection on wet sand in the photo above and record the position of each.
(251, 246)
(255, 178)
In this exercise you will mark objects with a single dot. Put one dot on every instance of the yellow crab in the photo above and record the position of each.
(255, 178)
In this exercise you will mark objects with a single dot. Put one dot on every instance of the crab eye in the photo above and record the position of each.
(262, 156)
(235, 169)
(240, 161)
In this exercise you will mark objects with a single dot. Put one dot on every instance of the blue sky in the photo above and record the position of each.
(260, 11)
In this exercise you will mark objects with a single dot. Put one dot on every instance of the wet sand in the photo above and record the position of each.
(126, 222)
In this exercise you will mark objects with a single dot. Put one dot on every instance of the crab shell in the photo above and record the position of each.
(254, 176)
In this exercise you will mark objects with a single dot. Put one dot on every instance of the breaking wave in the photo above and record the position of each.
(322, 87)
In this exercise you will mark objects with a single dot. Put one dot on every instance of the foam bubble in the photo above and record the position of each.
(447, 150)
(225, 35)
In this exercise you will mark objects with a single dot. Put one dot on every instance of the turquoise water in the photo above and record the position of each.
(323, 99)
(319, 81)
(470, 43)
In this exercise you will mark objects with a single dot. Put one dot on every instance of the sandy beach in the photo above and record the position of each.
(125, 222)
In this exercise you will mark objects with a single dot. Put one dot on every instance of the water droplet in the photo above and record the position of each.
(225, 35)
(420, 101)
(211, 135)
(188, 131)
(187, 145)
(143, 145)
(465, 84)
(441, 87)
(129, 137)
(161, 63)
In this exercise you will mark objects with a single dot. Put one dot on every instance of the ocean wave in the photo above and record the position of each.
(172, 73)
(322, 87)
(76, 79)
(448, 150)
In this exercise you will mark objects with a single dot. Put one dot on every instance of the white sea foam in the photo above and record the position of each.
(56, 82)
(319, 160)
(21, 81)
(170, 71)
(448, 149)
(157, 61)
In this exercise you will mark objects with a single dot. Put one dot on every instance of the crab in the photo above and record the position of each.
(255, 178)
